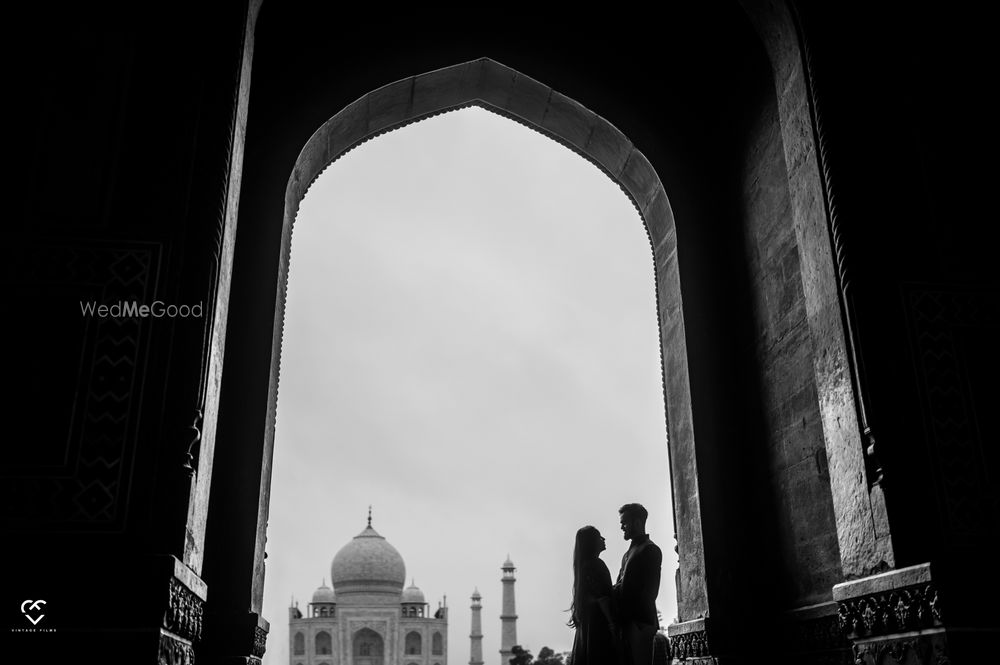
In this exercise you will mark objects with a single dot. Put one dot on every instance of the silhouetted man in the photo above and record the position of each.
(637, 587)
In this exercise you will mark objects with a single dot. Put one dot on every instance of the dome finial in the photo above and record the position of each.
(369, 514)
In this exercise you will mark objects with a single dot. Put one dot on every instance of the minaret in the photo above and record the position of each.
(476, 634)
(508, 617)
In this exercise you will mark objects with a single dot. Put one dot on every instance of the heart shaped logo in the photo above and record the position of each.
(35, 605)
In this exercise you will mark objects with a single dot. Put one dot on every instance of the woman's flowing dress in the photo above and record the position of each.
(593, 644)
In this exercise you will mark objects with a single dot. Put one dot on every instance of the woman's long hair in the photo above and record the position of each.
(587, 546)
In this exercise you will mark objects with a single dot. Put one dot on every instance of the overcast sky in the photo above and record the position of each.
(470, 346)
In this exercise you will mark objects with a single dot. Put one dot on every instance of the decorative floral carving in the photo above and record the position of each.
(910, 608)
(184, 612)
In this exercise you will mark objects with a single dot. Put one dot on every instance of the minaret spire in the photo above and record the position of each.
(508, 615)
(369, 514)
(476, 634)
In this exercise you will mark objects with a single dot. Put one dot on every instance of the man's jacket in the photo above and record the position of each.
(638, 583)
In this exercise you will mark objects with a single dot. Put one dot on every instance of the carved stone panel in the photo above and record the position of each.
(947, 328)
(893, 611)
(79, 478)
(259, 642)
(185, 612)
(174, 651)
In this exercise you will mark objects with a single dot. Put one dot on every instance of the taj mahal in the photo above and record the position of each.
(368, 618)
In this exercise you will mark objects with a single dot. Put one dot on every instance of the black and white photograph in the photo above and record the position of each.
(496, 335)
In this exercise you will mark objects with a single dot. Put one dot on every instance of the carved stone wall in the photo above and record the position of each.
(948, 328)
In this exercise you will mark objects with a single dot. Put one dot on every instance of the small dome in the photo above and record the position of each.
(475, 594)
(368, 563)
(508, 563)
(412, 594)
(324, 594)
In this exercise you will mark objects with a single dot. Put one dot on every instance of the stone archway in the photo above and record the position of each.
(820, 388)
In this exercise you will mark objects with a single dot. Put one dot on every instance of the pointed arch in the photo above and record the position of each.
(500, 89)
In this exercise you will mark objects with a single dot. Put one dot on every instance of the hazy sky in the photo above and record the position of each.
(470, 346)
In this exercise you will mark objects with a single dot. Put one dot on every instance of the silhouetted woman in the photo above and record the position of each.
(594, 643)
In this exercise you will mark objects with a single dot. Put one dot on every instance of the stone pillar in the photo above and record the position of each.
(235, 630)
(508, 616)
(476, 632)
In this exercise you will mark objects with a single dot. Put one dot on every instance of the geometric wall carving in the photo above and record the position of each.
(75, 474)
(949, 329)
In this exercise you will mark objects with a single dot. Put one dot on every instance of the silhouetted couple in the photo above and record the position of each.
(615, 625)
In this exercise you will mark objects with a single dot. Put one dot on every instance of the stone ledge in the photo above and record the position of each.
(888, 581)
(189, 579)
(809, 612)
(685, 627)
(889, 604)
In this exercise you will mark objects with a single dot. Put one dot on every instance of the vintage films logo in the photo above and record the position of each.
(131, 309)
(33, 612)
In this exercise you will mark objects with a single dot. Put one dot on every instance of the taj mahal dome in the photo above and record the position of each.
(368, 617)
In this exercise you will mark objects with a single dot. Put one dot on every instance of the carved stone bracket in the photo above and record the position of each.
(689, 642)
(689, 645)
(174, 651)
(259, 642)
(896, 601)
(185, 612)
(893, 618)
(899, 610)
